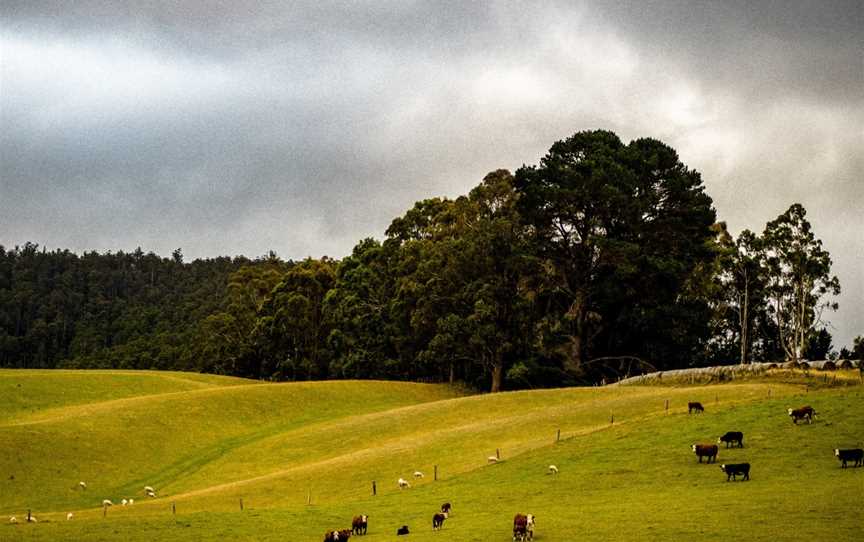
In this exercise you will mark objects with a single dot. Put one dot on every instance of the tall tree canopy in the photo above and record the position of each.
(800, 283)
(603, 255)
(622, 228)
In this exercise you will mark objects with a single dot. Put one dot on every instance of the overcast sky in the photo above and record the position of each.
(226, 127)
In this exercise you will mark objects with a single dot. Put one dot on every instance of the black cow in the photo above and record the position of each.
(734, 470)
(697, 407)
(402, 530)
(732, 437)
(855, 455)
(438, 521)
(806, 412)
(445, 508)
(705, 450)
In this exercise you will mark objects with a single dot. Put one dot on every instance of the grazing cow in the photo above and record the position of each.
(520, 527)
(734, 470)
(529, 526)
(705, 450)
(445, 508)
(403, 483)
(801, 413)
(402, 530)
(337, 536)
(856, 455)
(732, 437)
(359, 524)
(438, 521)
(694, 406)
(553, 469)
(418, 474)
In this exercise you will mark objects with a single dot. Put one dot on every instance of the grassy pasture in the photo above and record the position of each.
(275, 444)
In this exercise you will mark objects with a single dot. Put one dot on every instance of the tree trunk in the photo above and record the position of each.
(497, 377)
(744, 323)
(452, 374)
(578, 311)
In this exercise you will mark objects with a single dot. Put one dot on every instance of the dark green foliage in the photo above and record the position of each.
(603, 260)
(120, 310)
(622, 228)
(858, 350)
(818, 345)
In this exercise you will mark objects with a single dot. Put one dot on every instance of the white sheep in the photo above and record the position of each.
(107, 502)
(82, 485)
(151, 494)
(403, 483)
(68, 516)
(31, 519)
(124, 502)
(131, 501)
(553, 469)
(13, 519)
(418, 474)
(148, 489)
(492, 459)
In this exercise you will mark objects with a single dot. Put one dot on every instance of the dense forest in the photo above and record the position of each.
(605, 258)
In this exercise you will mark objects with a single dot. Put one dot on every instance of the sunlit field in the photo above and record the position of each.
(302, 458)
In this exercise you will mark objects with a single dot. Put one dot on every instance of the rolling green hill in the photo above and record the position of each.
(626, 470)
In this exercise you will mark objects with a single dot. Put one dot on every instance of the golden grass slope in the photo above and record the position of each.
(626, 469)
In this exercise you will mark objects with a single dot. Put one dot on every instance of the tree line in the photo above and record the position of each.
(605, 258)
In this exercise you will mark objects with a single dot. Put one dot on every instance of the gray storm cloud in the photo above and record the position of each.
(226, 129)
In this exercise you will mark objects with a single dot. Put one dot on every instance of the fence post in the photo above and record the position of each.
(436, 473)
(374, 489)
(558, 438)
(308, 496)
(497, 453)
(667, 406)
(174, 508)
(241, 504)
(611, 419)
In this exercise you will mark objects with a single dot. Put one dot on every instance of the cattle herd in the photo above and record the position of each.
(360, 524)
(736, 438)
(523, 524)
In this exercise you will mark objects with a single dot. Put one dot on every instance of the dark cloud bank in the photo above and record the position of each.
(227, 129)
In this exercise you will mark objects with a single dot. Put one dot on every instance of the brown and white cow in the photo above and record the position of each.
(337, 536)
(520, 527)
(523, 527)
(359, 524)
(705, 450)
